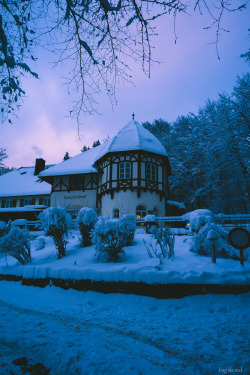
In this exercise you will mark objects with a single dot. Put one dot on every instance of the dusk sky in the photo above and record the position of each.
(190, 73)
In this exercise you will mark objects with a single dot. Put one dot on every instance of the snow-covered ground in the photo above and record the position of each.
(71, 332)
(80, 263)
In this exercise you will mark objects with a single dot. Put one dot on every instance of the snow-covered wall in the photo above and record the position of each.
(127, 201)
(74, 199)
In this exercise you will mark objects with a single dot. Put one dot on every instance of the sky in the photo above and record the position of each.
(189, 74)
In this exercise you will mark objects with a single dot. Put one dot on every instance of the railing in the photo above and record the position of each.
(228, 221)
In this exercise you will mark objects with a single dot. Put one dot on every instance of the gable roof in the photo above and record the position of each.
(83, 163)
(131, 137)
(22, 182)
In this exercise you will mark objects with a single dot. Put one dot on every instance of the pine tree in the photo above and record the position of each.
(85, 148)
(96, 143)
(66, 156)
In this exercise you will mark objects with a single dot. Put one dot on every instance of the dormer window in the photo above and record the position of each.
(151, 172)
(125, 170)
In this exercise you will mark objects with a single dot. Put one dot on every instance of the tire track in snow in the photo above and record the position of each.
(79, 325)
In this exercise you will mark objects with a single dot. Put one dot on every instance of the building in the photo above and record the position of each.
(21, 191)
(128, 174)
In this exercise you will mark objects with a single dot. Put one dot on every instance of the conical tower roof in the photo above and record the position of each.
(131, 137)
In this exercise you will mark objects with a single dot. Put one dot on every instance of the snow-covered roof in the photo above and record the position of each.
(22, 182)
(83, 163)
(129, 138)
(134, 136)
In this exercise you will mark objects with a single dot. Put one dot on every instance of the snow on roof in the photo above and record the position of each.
(131, 137)
(83, 163)
(134, 136)
(22, 182)
(174, 203)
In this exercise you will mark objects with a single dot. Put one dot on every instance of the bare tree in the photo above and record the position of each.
(98, 37)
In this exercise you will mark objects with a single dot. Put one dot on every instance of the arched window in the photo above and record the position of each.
(141, 211)
(124, 170)
(116, 213)
(151, 171)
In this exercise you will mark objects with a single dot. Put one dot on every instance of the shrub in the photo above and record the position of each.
(150, 220)
(109, 238)
(198, 219)
(200, 244)
(128, 226)
(56, 222)
(164, 238)
(86, 220)
(4, 229)
(16, 244)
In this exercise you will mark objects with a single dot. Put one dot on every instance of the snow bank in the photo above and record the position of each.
(187, 267)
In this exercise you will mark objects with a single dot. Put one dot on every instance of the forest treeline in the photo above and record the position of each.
(209, 152)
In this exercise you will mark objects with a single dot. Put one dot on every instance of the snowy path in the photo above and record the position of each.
(72, 332)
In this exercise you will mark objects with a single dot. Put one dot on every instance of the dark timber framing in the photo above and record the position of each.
(88, 181)
(138, 183)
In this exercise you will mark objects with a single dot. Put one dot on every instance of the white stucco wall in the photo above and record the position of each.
(127, 201)
(74, 199)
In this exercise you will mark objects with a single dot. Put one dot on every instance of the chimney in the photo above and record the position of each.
(40, 166)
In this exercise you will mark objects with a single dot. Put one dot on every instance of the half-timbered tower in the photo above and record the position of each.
(128, 174)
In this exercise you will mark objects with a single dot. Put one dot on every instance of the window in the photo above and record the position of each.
(9, 203)
(141, 211)
(76, 183)
(116, 213)
(151, 172)
(46, 202)
(124, 170)
(27, 202)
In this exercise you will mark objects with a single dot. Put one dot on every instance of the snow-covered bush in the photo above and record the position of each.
(21, 223)
(198, 218)
(163, 239)
(39, 243)
(56, 222)
(4, 229)
(86, 220)
(109, 238)
(201, 245)
(150, 220)
(16, 244)
(128, 226)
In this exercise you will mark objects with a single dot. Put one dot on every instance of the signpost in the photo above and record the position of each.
(239, 238)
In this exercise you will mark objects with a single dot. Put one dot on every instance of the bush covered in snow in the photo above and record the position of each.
(198, 219)
(163, 240)
(109, 238)
(128, 226)
(21, 223)
(201, 244)
(16, 244)
(56, 222)
(4, 229)
(86, 220)
(150, 220)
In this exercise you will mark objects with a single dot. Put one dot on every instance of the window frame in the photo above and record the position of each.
(151, 170)
(116, 213)
(140, 211)
(123, 174)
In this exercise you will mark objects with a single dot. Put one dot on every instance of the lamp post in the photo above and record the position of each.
(212, 237)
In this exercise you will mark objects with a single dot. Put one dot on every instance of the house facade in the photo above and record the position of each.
(21, 190)
(128, 174)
